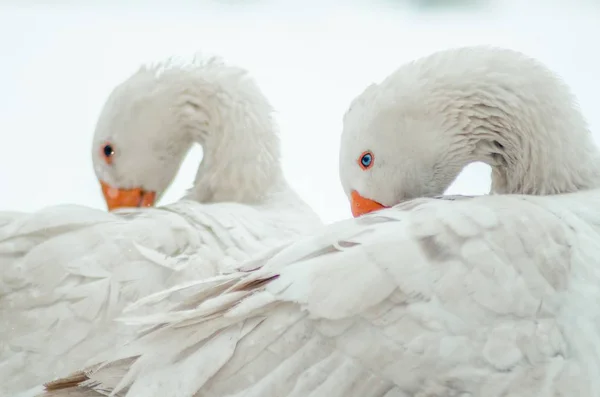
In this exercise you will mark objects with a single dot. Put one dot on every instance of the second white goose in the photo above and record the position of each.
(67, 271)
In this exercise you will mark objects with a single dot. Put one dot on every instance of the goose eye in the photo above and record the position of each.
(108, 152)
(366, 160)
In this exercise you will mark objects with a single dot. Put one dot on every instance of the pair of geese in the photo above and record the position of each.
(240, 291)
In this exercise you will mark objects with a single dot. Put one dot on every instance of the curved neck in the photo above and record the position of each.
(535, 139)
(548, 153)
(507, 110)
(231, 120)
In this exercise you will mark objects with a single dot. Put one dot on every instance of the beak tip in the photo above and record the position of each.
(361, 205)
(127, 198)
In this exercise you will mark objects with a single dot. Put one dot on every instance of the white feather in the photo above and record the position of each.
(390, 315)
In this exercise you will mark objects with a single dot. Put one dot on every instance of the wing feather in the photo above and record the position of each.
(482, 297)
(68, 272)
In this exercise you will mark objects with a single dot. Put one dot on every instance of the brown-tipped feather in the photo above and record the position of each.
(255, 283)
(64, 383)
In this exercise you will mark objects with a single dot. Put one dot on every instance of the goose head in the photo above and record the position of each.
(411, 135)
(150, 121)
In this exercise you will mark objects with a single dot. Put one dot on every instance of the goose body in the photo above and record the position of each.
(68, 271)
(488, 296)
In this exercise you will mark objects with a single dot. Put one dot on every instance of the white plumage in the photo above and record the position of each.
(491, 296)
(68, 271)
(488, 296)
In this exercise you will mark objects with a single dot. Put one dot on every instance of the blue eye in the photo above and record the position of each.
(366, 160)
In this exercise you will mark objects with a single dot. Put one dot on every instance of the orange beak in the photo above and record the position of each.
(361, 205)
(127, 198)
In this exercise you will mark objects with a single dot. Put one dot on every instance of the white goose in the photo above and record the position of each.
(67, 271)
(489, 296)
